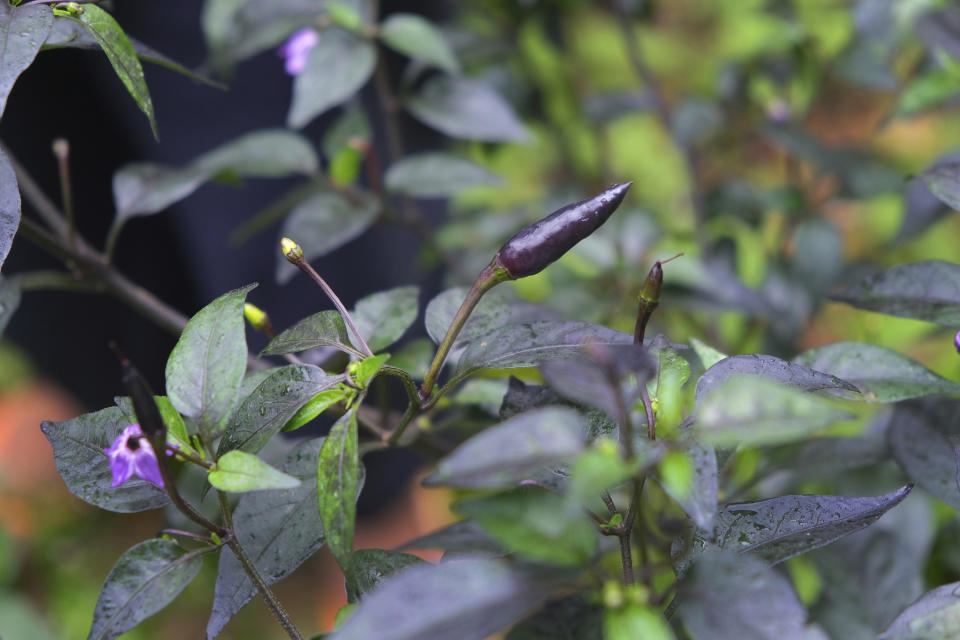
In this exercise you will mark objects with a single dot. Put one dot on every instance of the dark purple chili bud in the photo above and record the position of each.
(144, 405)
(532, 249)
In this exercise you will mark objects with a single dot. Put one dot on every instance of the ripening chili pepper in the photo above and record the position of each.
(528, 252)
(533, 248)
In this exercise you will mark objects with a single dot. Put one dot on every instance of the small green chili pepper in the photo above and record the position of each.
(533, 248)
(649, 297)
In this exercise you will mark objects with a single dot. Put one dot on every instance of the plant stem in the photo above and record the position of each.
(272, 603)
(299, 261)
(61, 149)
(492, 275)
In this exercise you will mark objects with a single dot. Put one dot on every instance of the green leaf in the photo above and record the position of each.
(9, 206)
(145, 580)
(633, 621)
(418, 38)
(935, 616)
(923, 437)
(769, 368)
(337, 67)
(536, 524)
(529, 344)
(22, 32)
(468, 599)
(317, 405)
(279, 530)
(239, 472)
(437, 175)
(781, 528)
(146, 188)
(869, 577)
(115, 44)
(370, 567)
(338, 485)
(466, 109)
(754, 411)
(78, 452)
(927, 90)
(490, 313)
(503, 455)
(206, 366)
(9, 300)
(734, 597)
(602, 467)
(69, 34)
(274, 402)
(363, 372)
(700, 503)
(351, 124)
(322, 329)
(322, 223)
(881, 374)
(922, 290)
(382, 318)
(943, 180)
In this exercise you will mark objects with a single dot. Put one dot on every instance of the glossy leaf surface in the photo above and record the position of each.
(279, 530)
(881, 374)
(921, 290)
(207, 364)
(239, 472)
(78, 451)
(437, 175)
(322, 223)
(467, 599)
(145, 580)
(337, 67)
(753, 411)
(22, 31)
(466, 109)
(338, 482)
(503, 455)
(272, 404)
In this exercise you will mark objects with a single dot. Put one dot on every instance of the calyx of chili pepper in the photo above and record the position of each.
(649, 297)
(531, 249)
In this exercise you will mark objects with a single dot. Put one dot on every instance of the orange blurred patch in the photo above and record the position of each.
(26, 460)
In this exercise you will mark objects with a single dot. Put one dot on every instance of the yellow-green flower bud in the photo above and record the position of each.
(291, 250)
(257, 318)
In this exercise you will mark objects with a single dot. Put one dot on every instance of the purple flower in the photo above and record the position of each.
(956, 341)
(131, 455)
(296, 49)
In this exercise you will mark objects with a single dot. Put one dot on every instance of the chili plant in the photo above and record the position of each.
(624, 485)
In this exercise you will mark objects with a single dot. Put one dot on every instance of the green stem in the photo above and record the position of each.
(272, 603)
(491, 276)
(413, 403)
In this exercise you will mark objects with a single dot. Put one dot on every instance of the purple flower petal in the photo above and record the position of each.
(296, 49)
(131, 455)
(956, 341)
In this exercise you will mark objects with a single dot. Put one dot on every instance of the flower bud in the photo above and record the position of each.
(532, 249)
(291, 250)
(257, 317)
